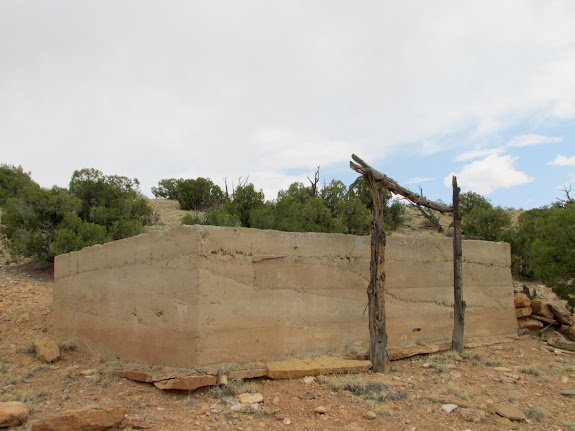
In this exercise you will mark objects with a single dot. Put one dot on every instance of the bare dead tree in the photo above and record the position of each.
(227, 192)
(567, 192)
(244, 182)
(429, 214)
(376, 289)
(392, 185)
(314, 182)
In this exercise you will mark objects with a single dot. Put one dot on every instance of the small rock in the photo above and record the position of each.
(521, 300)
(564, 379)
(448, 408)
(251, 398)
(471, 415)
(89, 418)
(308, 380)
(242, 408)
(451, 366)
(320, 409)
(523, 312)
(222, 380)
(307, 396)
(568, 393)
(370, 414)
(261, 424)
(503, 369)
(541, 308)
(286, 421)
(46, 350)
(455, 374)
(509, 411)
(276, 401)
(561, 313)
(12, 414)
(529, 323)
(280, 416)
(426, 365)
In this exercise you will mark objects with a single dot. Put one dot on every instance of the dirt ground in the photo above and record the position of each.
(411, 397)
(523, 372)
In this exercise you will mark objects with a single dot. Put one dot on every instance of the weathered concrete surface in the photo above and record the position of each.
(202, 295)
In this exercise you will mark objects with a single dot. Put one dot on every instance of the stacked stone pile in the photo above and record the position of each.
(549, 317)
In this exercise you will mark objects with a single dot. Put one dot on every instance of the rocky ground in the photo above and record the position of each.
(522, 379)
(416, 395)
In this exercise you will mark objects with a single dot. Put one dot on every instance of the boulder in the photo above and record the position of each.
(541, 308)
(561, 313)
(529, 323)
(521, 300)
(93, 418)
(509, 411)
(13, 414)
(523, 312)
(46, 350)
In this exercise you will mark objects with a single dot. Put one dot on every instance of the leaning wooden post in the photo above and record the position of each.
(457, 341)
(376, 289)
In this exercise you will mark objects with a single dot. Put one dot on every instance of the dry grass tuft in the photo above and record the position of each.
(370, 389)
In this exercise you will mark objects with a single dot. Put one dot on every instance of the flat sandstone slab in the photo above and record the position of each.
(188, 383)
(314, 367)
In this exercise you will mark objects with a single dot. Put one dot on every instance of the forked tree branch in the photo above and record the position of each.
(390, 184)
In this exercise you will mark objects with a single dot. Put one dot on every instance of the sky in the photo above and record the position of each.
(270, 90)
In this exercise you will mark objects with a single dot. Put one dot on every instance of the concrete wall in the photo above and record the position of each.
(198, 295)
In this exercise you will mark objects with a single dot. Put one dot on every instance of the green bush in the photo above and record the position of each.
(190, 219)
(43, 223)
(112, 201)
(12, 179)
(488, 224)
(220, 217)
(168, 188)
(470, 200)
(199, 194)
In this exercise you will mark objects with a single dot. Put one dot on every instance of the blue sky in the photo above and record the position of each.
(272, 89)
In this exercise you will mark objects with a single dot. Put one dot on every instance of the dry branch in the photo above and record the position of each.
(363, 168)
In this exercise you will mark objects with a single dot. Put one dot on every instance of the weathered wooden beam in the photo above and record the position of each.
(457, 340)
(378, 354)
(390, 184)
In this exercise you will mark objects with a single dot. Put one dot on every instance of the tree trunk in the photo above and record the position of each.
(428, 214)
(376, 289)
(457, 342)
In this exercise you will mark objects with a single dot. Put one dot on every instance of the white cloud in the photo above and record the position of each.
(528, 140)
(198, 89)
(477, 154)
(418, 180)
(492, 172)
(562, 160)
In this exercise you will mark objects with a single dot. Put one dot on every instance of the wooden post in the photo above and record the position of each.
(376, 289)
(457, 341)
